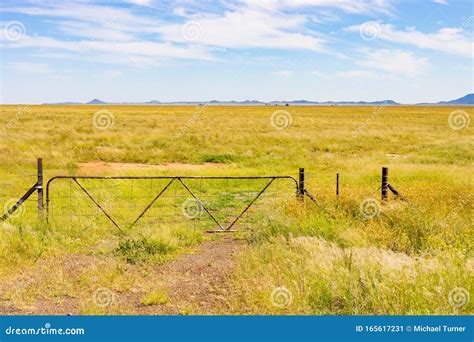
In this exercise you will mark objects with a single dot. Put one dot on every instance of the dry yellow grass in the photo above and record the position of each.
(406, 260)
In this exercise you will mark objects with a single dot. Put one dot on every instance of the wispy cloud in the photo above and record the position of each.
(283, 73)
(129, 50)
(395, 62)
(245, 27)
(118, 30)
(320, 74)
(193, 33)
(35, 68)
(356, 74)
(447, 40)
(140, 2)
(349, 6)
(250, 38)
(89, 20)
(85, 11)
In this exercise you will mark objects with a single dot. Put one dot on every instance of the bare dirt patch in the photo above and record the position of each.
(98, 166)
(193, 283)
(197, 283)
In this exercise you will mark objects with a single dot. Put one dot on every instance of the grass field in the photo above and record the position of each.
(340, 257)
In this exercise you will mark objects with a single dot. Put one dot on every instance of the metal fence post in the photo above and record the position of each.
(337, 184)
(301, 184)
(384, 184)
(39, 188)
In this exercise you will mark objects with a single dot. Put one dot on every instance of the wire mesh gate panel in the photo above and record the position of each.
(213, 202)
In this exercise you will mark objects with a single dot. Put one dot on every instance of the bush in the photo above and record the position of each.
(143, 249)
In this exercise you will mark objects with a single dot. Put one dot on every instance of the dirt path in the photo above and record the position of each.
(194, 283)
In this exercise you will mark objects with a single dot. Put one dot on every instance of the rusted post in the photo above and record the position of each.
(39, 188)
(301, 184)
(384, 184)
(337, 184)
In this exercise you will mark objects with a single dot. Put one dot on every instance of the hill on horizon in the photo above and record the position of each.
(465, 100)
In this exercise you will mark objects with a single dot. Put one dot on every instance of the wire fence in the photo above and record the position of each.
(212, 202)
(12, 186)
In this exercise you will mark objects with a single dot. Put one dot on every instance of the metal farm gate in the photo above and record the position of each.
(148, 192)
(125, 201)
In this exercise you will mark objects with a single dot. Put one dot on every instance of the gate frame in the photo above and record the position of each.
(172, 179)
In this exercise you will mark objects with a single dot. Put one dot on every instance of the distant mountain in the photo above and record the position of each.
(96, 101)
(465, 100)
(235, 103)
(64, 103)
(348, 103)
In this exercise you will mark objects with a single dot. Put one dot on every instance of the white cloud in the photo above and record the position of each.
(26, 67)
(140, 2)
(283, 73)
(129, 50)
(112, 74)
(356, 74)
(94, 32)
(95, 22)
(349, 6)
(121, 31)
(86, 12)
(320, 74)
(245, 27)
(180, 12)
(447, 40)
(395, 62)
(442, 2)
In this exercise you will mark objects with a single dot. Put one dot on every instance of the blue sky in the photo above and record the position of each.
(140, 50)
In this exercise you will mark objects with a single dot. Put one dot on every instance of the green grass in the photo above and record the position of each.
(332, 260)
(135, 251)
(155, 298)
(218, 158)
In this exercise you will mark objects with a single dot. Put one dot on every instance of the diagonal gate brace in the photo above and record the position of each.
(228, 228)
(152, 202)
(250, 204)
(201, 204)
(97, 204)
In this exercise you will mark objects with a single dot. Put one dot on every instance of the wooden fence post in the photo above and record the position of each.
(39, 188)
(384, 184)
(301, 184)
(337, 184)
